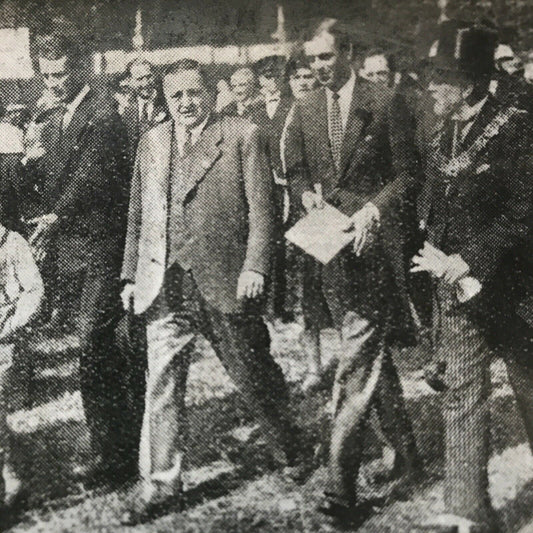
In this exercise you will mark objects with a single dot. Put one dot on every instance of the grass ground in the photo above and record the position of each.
(51, 438)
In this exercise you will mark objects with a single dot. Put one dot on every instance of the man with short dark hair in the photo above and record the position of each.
(197, 253)
(75, 164)
(300, 76)
(476, 212)
(270, 115)
(376, 68)
(147, 107)
(346, 145)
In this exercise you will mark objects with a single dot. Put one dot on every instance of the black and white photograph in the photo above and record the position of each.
(266, 266)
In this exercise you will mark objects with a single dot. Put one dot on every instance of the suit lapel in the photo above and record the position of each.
(358, 120)
(158, 181)
(202, 156)
(70, 136)
(486, 114)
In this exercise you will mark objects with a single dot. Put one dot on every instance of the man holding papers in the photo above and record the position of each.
(344, 141)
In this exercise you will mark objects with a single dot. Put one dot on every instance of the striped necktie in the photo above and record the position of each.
(335, 129)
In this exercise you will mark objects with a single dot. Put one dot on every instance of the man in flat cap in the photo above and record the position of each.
(476, 211)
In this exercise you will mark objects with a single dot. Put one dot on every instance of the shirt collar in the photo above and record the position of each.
(273, 97)
(195, 132)
(78, 100)
(467, 113)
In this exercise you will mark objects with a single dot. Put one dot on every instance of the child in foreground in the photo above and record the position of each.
(21, 292)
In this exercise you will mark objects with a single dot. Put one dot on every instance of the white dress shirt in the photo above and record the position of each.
(71, 108)
(145, 103)
(345, 99)
(181, 134)
(272, 103)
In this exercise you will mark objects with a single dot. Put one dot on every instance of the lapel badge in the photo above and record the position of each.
(205, 164)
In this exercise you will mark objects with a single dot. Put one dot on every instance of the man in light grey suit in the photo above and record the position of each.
(198, 250)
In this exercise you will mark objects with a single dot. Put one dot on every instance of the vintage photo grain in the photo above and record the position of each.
(266, 266)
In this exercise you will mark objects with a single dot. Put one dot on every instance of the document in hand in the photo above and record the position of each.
(320, 233)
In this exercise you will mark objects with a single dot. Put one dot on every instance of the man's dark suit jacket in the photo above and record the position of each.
(130, 117)
(81, 179)
(378, 165)
(272, 129)
(227, 202)
(485, 214)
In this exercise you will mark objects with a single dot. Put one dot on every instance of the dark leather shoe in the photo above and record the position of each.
(345, 515)
(147, 511)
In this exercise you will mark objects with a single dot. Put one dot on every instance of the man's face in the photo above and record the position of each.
(242, 85)
(142, 80)
(511, 65)
(376, 69)
(447, 95)
(187, 97)
(302, 81)
(61, 81)
(330, 66)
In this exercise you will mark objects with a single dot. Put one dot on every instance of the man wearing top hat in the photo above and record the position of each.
(475, 210)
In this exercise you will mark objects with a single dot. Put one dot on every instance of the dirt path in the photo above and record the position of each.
(52, 437)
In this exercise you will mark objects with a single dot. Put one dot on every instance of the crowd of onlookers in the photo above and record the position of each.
(140, 212)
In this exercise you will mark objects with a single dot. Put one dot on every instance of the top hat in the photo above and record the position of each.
(464, 49)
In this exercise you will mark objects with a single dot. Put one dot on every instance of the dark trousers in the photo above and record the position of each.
(241, 342)
(461, 344)
(366, 379)
(103, 379)
(103, 370)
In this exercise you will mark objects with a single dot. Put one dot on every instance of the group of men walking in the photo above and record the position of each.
(178, 212)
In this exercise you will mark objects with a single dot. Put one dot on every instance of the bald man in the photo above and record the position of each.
(243, 83)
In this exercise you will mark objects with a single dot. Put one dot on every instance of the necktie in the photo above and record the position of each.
(144, 119)
(335, 129)
(186, 143)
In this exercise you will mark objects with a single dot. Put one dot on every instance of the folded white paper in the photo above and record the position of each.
(320, 233)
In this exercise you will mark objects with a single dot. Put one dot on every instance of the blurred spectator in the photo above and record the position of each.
(11, 152)
(146, 106)
(21, 292)
(509, 85)
(300, 76)
(122, 92)
(376, 68)
(528, 72)
(271, 116)
(506, 60)
(243, 84)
